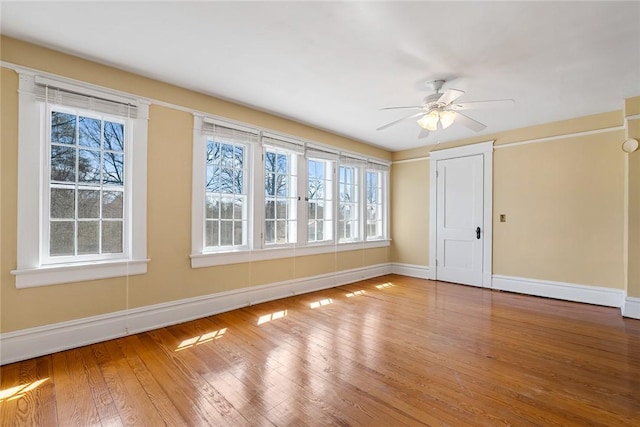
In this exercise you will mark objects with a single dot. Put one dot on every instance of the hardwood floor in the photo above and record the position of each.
(391, 351)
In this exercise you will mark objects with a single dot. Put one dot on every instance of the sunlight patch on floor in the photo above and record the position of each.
(20, 390)
(384, 285)
(272, 316)
(320, 303)
(201, 339)
(356, 293)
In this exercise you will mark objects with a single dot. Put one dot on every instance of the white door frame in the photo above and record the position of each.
(486, 150)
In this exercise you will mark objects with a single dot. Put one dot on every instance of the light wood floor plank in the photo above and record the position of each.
(390, 351)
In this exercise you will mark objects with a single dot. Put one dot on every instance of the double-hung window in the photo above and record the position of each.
(363, 205)
(222, 205)
(85, 198)
(376, 201)
(349, 207)
(320, 204)
(280, 191)
(227, 210)
(259, 195)
(82, 204)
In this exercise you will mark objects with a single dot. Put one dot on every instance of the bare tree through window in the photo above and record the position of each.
(86, 191)
(226, 199)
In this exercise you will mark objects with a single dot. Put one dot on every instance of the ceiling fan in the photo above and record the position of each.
(439, 110)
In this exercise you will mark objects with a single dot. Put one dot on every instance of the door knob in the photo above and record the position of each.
(478, 233)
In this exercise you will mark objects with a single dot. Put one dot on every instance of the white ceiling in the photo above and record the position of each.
(333, 65)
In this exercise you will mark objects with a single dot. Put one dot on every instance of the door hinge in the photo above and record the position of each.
(436, 174)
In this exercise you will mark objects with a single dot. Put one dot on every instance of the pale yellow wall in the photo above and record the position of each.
(632, 108)
(410, 212)
(563, 202)
(170, 276)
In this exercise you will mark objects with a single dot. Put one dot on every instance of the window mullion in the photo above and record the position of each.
(362, 202)
(258, 199)
(302, 201)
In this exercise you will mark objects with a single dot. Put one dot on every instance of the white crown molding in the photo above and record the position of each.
(33, 342)
(631, 308)
(555, 137)
(559, 290)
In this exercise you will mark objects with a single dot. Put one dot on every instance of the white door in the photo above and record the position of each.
(459, 219)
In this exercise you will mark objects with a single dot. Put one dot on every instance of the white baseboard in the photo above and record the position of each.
(631, 308)
(33, 342)
(560, 290)
(411, 270)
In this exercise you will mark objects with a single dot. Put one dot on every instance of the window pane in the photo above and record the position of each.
(281, 232)
(281, 212)
(213, 179)
(237, 233)
(227, 156)
(312, 231)
(270, 162)
(113, 171)
(89, 132)
(282, 163)
(63, 204)
(89, 166)
(238, 208)
(62, 238)
(211, 233)
(113, 136)
(238, 180)
(63, 128)
(270, 210)
(269, 232)
(226, 233)
(345, 212)
(89, 205)
(63, 163)
(312, 210)
(213, 153)
(238, 157)
(270, 184)
(226, 205)
(282, 185)
(320, 210)
(227, 181)
(88, 237)
(112, 237)
(112, 204)
(212, 209)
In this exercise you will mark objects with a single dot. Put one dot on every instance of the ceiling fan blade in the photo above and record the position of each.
(450, 95)
(414, 107)
(400, 120)
(423, 133)
(467, 121)
(477, 105)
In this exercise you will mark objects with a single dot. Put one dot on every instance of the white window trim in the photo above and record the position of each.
(198, 193)
(258, 251)
(30, 270)
(385, 203)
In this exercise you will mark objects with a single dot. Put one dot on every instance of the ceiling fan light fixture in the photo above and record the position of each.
(447, 118)
(429, 121)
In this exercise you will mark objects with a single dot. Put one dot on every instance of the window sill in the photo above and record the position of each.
(212, 259)
(55, 274)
